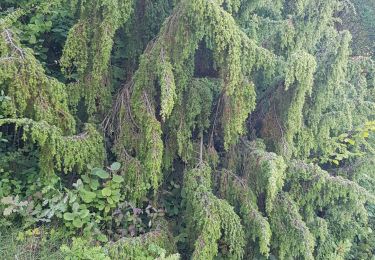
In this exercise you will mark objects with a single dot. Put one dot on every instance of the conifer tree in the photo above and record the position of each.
(258, 110)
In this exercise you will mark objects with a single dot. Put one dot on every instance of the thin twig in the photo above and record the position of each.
(10, 41)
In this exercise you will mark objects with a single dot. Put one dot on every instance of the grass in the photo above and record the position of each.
(40, 243)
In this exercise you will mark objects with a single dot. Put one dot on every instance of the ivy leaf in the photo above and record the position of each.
(102, 174)
(106, 192)
(68, 216)
(115, 166)
(117, 178)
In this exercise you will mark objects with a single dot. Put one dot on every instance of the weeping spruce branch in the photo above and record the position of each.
(39, 106)
(59, 153)
(22, 78)
(257, 228)
(282, 222)
(280, 72)
(210, 219)
(234, 53)
(87, 51)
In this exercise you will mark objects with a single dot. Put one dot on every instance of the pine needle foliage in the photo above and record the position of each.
(210, 219)
(87, 51)
(57, 151)
(23, 79)
(255, 115)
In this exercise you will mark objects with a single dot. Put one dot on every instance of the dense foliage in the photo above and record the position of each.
(168, 129)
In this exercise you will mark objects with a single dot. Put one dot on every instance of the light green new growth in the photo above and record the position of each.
(257, 229)
(40, 107)
(291, 236)
(210, 219)
(264, 171)
(32, 92)
(87, 51)
(157, 244)
(59, 152)
(168, 62)
(343, 203)
(238, 97)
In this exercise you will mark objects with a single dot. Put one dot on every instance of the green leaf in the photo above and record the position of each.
(110, 200)
(72, 197)
(351, 141)
(75, 207)
(365, 134)
(102, 174)
(115, 166)
(68, 216)
(77, 222)
(94, 184)
(117, 178)
(102, 238)
(87, 196)
(336, 162)
(84, 213)
(106, 192)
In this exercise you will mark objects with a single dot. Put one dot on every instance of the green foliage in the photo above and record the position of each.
(211, 220)
(142, 137)
(81, 249)
(284, 223)
(193, 116)
(153, 245)
(287, 217)
(95, 196)
(335, 217)
(22, 78)
(240, 97)
(63, 153)
(257, 229)
(87, 51)
(38, 243)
